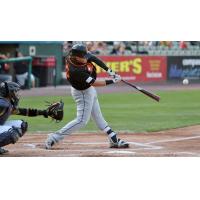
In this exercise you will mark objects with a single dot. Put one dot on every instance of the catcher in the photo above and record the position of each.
(12, 130)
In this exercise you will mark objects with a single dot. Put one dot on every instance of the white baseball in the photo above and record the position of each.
(185, 81)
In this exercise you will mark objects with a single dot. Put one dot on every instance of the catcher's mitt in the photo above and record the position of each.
(55, 110)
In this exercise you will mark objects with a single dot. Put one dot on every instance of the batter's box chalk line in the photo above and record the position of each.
(32, 146)
(140, 145)
(86, 143)
(146, 146)
(174, 140)
(120, 152)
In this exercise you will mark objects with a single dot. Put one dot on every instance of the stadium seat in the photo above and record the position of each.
(163, 52)
(181, 52)
(150, 52)
(193, 53)
(196, 47)
(157, 52)
(170, 52)
(188, 52)
(175, 47)
(128, 52)
(134, 48)
(153, 47)
(141, 48)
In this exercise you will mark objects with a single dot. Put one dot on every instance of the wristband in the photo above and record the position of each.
(108, 82)
(110, 72)
(43, 112)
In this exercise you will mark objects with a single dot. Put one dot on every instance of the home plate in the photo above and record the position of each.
(33, 146)
(120, 152)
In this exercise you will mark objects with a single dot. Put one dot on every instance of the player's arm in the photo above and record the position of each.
(100, 63)
(54, 110)
(106, 82)
(99, 83)
(90, 80)
(30, 112)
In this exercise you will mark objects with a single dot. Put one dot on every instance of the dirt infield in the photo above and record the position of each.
(176, 142)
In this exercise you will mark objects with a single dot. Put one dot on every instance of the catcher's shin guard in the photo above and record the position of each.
(20, 125)
(9, 137)
(24, 127)
(3, 151)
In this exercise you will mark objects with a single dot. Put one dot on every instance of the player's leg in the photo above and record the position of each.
(103, 125)
(8, 135)
(32, 77)
(21, 78)
(84, 101)
(33, 80)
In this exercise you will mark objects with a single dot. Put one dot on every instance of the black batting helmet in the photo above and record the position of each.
(10, 90)
(79, 50)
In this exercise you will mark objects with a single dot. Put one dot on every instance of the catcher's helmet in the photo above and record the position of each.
(79, 50)
(10, 90)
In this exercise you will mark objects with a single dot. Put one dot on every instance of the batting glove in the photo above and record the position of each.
(117, 78)
(111, 73)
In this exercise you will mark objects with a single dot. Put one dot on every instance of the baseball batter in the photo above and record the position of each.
(81, 73)
(12, 130)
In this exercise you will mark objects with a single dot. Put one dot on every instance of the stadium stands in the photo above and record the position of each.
(165, 48)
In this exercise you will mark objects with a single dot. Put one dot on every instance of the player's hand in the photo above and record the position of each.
(55, 111)
(117, 78)
(111, 73)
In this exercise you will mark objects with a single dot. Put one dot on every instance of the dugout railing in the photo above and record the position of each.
(28, 59)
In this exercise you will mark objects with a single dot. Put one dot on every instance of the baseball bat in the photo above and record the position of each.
(147, 93)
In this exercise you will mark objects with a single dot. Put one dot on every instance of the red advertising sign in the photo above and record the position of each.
(136, 68)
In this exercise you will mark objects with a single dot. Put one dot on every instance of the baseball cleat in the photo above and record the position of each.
(49, 144)
(52, 140)
(119, 144)
(3, 151)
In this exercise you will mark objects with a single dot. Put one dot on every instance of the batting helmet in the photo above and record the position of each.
(10, 90)
(79, 50)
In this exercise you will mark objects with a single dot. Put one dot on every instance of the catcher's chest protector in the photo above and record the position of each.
(5, 110)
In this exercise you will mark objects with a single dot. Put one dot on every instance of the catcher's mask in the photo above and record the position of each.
(10, 90)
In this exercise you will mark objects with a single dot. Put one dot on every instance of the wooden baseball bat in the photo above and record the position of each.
(149, 94)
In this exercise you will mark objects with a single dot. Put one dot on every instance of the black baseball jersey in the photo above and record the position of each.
(82, 76)
(5, 110)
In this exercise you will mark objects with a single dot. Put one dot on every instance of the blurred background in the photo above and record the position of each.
(42, 63)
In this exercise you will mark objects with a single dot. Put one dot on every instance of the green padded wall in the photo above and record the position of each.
(48, 49)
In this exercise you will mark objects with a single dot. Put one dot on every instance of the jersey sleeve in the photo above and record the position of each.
(84, 77)
(98, 61)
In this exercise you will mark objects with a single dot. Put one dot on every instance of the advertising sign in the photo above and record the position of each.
(136, 68)
(180, 67)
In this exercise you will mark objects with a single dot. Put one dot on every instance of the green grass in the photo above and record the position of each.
(128, 111)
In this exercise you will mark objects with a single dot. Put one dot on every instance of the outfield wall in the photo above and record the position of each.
(153, 68)
(179, 67)
(136, 68)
